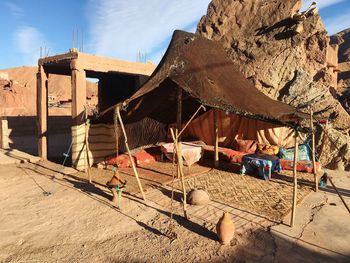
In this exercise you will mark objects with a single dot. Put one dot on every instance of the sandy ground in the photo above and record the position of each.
(46, 217)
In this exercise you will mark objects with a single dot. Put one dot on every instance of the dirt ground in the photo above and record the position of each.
(47, 217)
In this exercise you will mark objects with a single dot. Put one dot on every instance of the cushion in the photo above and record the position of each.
(302, 166)
(121, 161)
(303, 153)
(143, 157)
(225, 154)
(247, 146)
(237, 157)
(268, 149)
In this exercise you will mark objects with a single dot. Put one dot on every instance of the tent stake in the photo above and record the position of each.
(313, 148)
(87, 160)
(129, 153)
(295, 180)
(216, 135)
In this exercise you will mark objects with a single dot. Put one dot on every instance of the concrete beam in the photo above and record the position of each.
(104, 64)
(97, 64)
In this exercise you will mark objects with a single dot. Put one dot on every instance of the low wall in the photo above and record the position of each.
(102, 140)
(21, 133)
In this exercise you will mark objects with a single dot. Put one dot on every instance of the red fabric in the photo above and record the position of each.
(122, 161)
(225, 154)
(143, 157)
(247, 146)
(302, 166)
(238, 157)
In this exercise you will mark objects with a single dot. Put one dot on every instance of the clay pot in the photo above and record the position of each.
(113, 181)
(225, 229)
(198, 197)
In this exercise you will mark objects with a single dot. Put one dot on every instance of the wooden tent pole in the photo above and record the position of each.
(216, 135)
(179, 169)
(87, 160)
(295, 180)
(313, 148)
(179, 113)
(178, 148)
(129, 153)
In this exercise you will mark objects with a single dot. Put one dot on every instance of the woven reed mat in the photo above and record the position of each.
(272, 199)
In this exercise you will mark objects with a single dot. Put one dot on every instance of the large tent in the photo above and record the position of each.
(196, 72)
(202, 69)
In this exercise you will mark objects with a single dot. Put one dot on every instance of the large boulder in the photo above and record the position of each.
(288, 59)
(342, 39)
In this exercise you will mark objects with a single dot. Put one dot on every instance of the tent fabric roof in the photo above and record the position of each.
(207, 76)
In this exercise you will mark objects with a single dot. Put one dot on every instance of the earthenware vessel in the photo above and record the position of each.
(225, 229)
(198, 196)
(113, 181)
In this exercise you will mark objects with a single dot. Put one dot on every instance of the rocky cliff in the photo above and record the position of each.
(343, 40)
(288, 56)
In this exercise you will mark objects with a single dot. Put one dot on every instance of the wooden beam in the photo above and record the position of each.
(177, 144)
(295, 180)
(179, 112)
(216, 142)
(129, 153)
(313, 148)
(42, 105)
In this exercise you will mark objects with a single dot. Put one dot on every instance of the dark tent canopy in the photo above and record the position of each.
(202, 69)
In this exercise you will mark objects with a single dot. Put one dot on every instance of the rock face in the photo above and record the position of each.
(343, 40)
(287, 59)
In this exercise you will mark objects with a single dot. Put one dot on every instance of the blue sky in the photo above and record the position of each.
(116, 28)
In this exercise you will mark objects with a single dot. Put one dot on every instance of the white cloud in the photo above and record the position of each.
(28, 41)
(337, 24)
(321, 3)
(122, 28)
(14, 9)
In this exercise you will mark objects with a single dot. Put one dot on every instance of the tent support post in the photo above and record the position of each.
(216, 135)
(178, 149)
(295, 180)
(87, 160)
(129, 153)
(313, 148)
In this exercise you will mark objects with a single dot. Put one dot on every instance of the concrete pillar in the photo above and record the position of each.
(4, 134)
(42, 105)
(78, 82)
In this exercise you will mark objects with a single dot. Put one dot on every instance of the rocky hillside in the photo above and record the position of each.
(18, 91)
(343, 40)
(288, 56)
